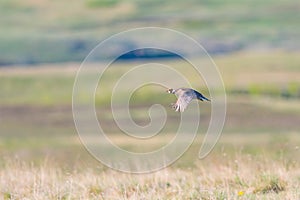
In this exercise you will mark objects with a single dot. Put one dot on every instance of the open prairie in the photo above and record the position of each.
(257, 156)
(255, 45)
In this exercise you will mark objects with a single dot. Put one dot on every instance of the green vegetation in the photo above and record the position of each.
(268, 75)
(257, 156)
(64, 32)
(102, 3)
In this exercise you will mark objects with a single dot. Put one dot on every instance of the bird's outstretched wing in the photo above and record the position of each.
(182, 102)
(200, 96)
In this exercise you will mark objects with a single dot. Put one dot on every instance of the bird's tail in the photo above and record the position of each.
(201, 97)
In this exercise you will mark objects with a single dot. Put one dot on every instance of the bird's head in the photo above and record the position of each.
(171, 91)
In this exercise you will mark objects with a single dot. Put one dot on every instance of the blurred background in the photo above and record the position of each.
(34, 32)
(255, 44)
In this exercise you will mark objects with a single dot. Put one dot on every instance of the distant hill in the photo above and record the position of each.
(39, 31)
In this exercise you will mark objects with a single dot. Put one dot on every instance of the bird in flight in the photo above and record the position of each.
(184, 97)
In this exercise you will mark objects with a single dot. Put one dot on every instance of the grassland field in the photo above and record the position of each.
(257, 156)
(255, 45)
(33, 32)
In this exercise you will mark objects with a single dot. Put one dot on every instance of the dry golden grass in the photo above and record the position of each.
(239, 177)
(257, 156)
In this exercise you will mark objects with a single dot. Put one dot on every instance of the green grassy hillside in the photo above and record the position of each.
(54, 31)
(255, 45)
